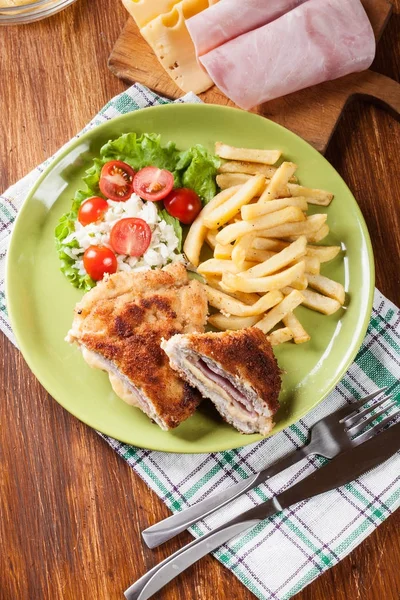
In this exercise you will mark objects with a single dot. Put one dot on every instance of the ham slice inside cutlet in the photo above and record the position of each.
(216, 374)
(318, 41)
(118, 326)
(236, 370)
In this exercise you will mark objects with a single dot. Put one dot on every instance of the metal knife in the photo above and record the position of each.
(339, 471)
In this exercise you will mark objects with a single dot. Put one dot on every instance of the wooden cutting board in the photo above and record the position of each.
(312, 113)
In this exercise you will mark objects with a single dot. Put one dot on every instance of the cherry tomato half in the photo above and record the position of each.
(116, 180)
(184, 204)
(99, 260)
(153, 184)
(130, 236)
(92, 210)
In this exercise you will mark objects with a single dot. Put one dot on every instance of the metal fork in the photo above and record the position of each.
(339, 471)
(329, 437)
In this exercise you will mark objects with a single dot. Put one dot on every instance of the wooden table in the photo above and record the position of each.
(70, 510)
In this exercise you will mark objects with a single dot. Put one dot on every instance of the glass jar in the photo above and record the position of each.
(15, 12)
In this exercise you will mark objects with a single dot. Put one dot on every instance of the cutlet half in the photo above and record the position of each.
(237, 370)
(119, 324)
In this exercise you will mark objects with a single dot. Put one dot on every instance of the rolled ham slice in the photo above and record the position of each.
(230, 18)
(318, 41)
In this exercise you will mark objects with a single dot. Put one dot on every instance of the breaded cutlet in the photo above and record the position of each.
(119, 324)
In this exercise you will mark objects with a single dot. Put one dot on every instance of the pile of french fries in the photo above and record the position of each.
(265, 260)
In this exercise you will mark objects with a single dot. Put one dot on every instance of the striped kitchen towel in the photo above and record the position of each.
(279, 557)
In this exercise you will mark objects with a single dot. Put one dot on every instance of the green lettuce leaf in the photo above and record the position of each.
(165, 216)
(65, 226)
(198, 169)
(141, 151)
(92, 177)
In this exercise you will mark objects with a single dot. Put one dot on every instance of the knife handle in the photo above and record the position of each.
(175, 564)
(167, 528)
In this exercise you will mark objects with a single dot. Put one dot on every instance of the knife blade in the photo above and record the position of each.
(339, 471)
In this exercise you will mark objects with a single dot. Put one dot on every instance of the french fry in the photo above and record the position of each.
(243, 297)
(315, 301)
(247, 168)
(327, 287)
(279, 261)
(300, 283)
(226, 211)
(215, 266)
(215, 282)
(241, 247)
(252, 211)
(223, 251)
(317, 236)
(323, 253)
(223, 323)
(280, 336)
(225, 288)
(278, 181)
(227, 180)
(271, 244)
(288, 215)
(230, 306)
(263, 284)
(233, 232)
(266, 157)
(276, 314)
(300, 335)
(320, 303)
(312, 264)
(234, 167)
(235, 219)
(314, 196)
(211, 236)
(197, 232)
(258, 255)
(252, 255)
(292, 229)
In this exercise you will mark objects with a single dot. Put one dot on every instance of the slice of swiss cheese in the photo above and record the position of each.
(144, 11)
(169, 38)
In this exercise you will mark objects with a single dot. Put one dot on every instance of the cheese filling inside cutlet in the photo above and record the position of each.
(121, 385)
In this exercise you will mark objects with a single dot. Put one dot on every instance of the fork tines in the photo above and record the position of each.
(357, 422)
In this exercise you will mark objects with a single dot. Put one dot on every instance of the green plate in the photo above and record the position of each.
(41, 301)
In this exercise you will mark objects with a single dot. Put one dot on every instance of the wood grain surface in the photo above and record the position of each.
(312, 113)
(71, 511)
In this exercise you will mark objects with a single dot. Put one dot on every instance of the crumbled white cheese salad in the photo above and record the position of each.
(161, 251)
